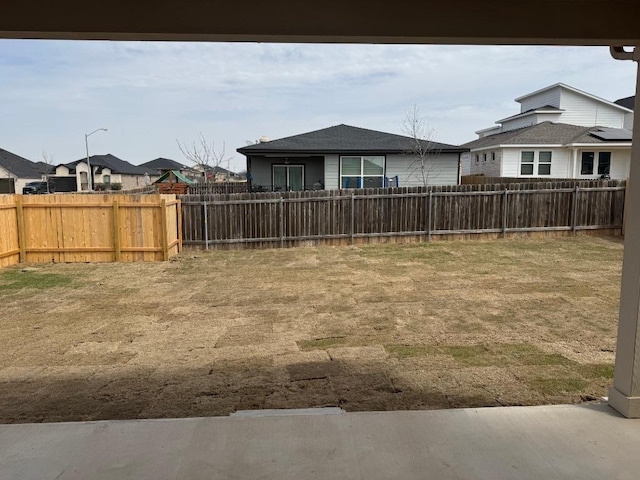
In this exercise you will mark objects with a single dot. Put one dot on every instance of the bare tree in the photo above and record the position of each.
(204, 155)
(423, 145)
(47, 159)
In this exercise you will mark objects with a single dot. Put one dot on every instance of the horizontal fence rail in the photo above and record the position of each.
(344, 216)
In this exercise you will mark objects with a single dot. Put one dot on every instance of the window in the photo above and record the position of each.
(535, 163)
(493, 157)
(586, 168)
(595, 163)
(604, 163)
(106, 179)
(484, 157)
(477, 157)
(544, 163)
(361, 171)
(526, 163)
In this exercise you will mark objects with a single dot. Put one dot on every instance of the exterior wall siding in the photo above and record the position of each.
(489, 168)
(519, 123)
(628, 121)
(331, 172)
(465, 163)
(560, 162)
(580, 110)
(439, 170)
(549, 97)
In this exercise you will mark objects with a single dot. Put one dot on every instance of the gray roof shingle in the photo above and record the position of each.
(19, 166)
(627, 102)
(545, 133)
(112, 162)
(342, 139)
(163, 164)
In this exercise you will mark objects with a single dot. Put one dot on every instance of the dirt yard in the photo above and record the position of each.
(378, 327)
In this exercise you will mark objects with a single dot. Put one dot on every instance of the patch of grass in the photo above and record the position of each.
(557, 386)
(596, 370)
(407, 252)
(18, 280)
(499, 355)
(473, 355)
(407, 351)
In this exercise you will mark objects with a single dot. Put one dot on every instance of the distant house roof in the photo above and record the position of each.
(628, 102)
(573, 89)
(548, 133)
(164, 164)
(21, 167)
(112, 162)
(545, 109)
(343, 139)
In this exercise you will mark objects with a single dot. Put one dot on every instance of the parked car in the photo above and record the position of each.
(33, 188)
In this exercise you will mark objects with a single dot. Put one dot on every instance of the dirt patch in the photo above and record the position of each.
(380, 327)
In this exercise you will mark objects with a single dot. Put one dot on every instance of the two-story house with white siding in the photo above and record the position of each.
(343, 156)
(560, 132)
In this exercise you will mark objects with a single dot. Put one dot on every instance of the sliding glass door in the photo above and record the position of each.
(288, 177)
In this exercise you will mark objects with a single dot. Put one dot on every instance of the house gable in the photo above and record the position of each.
(561, 103)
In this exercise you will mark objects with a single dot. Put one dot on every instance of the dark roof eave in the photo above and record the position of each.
(339, 151)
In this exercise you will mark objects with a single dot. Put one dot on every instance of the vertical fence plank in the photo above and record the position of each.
(179, 221)
(163, 225)
(116, 231)
(22, 240)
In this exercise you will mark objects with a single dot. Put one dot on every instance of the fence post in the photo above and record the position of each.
(281, 222)
(206, 224)
(179, 215)
(353, 204)
(116, 231)
(429, 213)
(505, 204)
(21, 235)
(574, 220)
(165, 236)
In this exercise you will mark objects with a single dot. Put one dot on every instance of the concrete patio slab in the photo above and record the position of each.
(550, 442)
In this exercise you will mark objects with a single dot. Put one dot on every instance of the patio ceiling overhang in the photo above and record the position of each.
(550, 22)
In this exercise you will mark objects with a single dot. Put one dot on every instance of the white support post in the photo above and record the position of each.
(624, 396)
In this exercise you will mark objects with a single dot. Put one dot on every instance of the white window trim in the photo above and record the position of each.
(596, 163)
(536, 163)
(362, 175)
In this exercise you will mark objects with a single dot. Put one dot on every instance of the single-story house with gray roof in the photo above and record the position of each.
(107, 171)
(160, 166)
(17, 171)
(343, 156)
(554, 150)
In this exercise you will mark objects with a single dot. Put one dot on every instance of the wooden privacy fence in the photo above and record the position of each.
(350, 216)
(212, 188)
(88, 228)
(481, 179)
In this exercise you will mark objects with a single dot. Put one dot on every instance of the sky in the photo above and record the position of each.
(149, 95)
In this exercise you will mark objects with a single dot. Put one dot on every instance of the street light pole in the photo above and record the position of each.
(86, 144)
